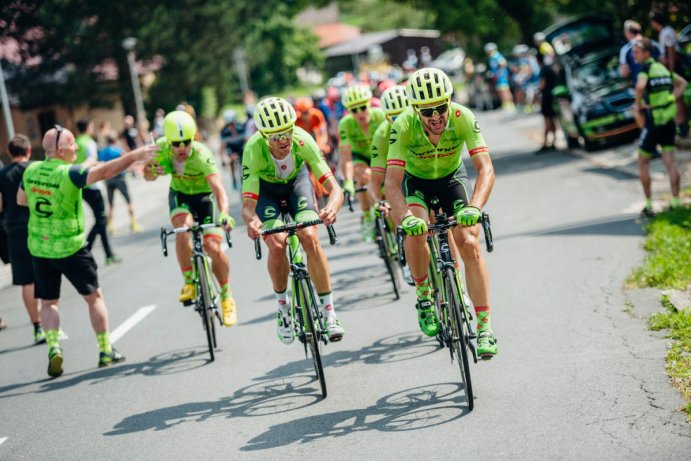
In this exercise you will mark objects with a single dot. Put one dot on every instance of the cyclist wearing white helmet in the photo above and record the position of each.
(424, 163)
(274, 170)
(356, 131)
(194, 179)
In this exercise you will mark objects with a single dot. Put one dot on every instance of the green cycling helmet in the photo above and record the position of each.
(429, 85)
(355, 96)
(394, 100)
(179, 126)
(274, 114)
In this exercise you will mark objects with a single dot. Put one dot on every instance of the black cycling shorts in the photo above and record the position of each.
(201, 206)
(653, 135)
(451, 191)
(20, 258)
(117, 183)
(79, 268)
(299, 195)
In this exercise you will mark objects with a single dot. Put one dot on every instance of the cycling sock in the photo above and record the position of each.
(422, 288)
(188, 275)
(482, 313)
(282, 299)
(225, 290)
(648, 203)
(103, 339)
(327, 301)
(52, 338)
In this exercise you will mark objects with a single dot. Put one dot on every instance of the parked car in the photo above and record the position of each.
(594, 103)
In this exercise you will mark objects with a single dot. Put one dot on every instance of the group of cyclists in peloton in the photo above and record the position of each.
(404, 156)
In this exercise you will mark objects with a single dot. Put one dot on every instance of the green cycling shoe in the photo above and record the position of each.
(427, 318)
(486, 345)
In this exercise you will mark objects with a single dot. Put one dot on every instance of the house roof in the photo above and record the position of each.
(362, 43)
(334, 33)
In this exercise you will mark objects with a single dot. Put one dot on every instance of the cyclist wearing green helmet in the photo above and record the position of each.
(356, 132)
(195, 179)
(274, 170)
(425, 162)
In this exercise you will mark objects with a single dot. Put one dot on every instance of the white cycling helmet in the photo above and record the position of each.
(429, 85)
(274, 114)
(355, 96)
(394, 100)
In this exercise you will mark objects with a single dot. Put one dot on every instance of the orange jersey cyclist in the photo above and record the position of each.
(424, 162)
(274, 170)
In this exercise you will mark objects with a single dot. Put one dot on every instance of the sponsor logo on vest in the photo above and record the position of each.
(42, 207)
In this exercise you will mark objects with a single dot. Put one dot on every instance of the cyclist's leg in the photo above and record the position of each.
(181, 215)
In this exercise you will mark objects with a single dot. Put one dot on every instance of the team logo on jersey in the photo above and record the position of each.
(476, 127)
(392, 136)
(301, 142)
(269, 212)
(458, 113)
(41, 206)
(302, 203)
(283, 167)
(245, 172)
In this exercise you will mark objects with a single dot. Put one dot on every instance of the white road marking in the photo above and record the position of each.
(2, 440)
(128, 324)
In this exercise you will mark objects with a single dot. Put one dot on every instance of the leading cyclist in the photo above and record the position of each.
(195, 179)
(273, 166)
(425, 162)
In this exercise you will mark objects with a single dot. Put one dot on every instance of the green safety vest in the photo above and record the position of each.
(658, 92)
(56, 216)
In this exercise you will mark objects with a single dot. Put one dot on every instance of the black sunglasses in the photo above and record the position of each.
(429, 111)
(355, 110)
(185, 142)
(58, 129)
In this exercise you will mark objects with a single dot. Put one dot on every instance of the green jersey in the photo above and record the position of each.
(658, 91)
(411, 149)
(258, 163)
(380, 147)
(56, 217)
(351, 134)
(190, 176)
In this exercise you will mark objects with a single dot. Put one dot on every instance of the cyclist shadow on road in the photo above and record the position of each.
(168, 363)
(408, 410)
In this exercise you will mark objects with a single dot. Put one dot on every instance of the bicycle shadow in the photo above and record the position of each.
(167, 363)
(262, 399)
(411, 409)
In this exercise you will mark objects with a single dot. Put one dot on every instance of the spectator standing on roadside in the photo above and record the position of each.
(130, 134)
(544, 49)
(499, 69)
(668, 41)
(158, 123)
(117, 182)
(16, 222)
(87, 156)
(656, 90)
(548, 80)
(52, 190)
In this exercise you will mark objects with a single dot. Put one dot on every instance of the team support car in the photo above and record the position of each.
(593, 102)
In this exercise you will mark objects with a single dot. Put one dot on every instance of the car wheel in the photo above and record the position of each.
(572, 142)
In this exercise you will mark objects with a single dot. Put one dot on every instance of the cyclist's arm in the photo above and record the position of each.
(379, 153)
(479, 154)
(216, 184)
(394, 194)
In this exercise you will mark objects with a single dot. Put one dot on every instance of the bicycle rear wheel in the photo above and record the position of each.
(385, 252)
(312, 329)
(460, 335)
(205, 305)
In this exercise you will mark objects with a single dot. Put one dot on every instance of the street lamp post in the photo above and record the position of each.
(6, 106)
(128, 44)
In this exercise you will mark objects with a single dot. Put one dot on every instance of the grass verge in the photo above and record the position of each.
(678, 322)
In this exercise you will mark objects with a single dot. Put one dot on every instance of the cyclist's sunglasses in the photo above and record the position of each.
(357, 109)
(184, 142)
(429, 111)
(275, 137)
(58, 129)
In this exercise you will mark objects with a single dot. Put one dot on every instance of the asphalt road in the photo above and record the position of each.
(578, 375)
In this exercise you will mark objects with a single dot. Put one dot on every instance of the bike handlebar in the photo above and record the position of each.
(294, 227)
(194, 228)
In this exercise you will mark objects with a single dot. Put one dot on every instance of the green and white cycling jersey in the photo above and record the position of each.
(380, 147)
(352, 135)
(411, 149)
(189, 177)
(258, 163)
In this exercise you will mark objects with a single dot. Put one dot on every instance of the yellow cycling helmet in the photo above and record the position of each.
(394, 100)
(355, 96)
(274, 114)
(429, 85)
(179, 126)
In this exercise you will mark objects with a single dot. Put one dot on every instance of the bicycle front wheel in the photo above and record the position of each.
(460, 335)
(312, 329)
(385, 251)
(205, 305)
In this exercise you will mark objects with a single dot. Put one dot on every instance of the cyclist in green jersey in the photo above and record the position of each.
(195, 178)
(425, 162)
(656, 91)
(274, 170)
(356, 131)
(52, 189)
